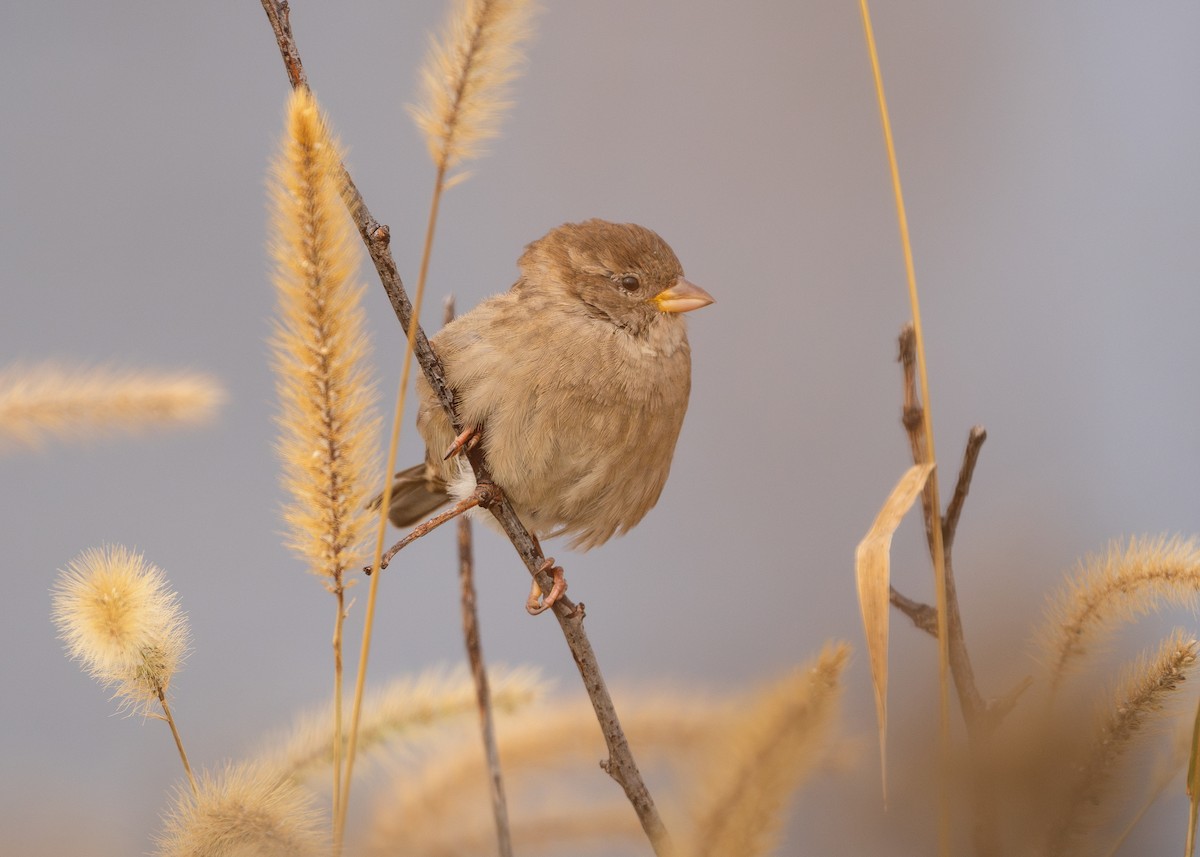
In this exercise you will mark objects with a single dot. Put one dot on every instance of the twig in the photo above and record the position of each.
(620, 764)
(470, 618)
(482, 496)
(924, 616)
(980, 718)
(975, 438)
(483, 692)
(970, 700)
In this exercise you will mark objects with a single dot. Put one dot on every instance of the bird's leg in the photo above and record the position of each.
(477, 497)
(467, 440)
(536, 604)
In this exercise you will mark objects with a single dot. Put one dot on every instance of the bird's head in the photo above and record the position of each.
(621, 273)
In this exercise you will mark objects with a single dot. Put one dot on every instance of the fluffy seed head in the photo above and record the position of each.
(244, 811)
(118, 618)
(327, 420)
(466, 76)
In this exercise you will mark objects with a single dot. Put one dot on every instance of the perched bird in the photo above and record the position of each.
(575, 381)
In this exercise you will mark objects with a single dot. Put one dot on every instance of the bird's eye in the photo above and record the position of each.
(629, 283)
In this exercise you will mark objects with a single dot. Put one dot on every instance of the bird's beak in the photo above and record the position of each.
(684, 296)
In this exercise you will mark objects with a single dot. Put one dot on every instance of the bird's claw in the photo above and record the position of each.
(536, 603)
(467, 440)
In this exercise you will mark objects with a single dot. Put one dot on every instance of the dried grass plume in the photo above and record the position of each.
(400, 709)
(777, 740)
(50, 401)
(327, 422)
(466, 76)
(548, 753)
(116, 615)
(1119, 586)
(245, 811)
(1126, 716)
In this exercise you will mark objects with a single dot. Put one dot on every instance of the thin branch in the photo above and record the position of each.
(975, 439)
(470, 618)
(980, 717)
(923, 616)
(970, 700)
(474, 646)
(620, 764)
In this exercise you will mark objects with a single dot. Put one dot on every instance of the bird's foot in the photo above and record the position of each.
(466, 441)
(536, 603)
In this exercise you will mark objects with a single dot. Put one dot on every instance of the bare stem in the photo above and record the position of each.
(483, 693)
(970, 700)
(620, 764)
(170, 718)
(980, 718)
(480, 497)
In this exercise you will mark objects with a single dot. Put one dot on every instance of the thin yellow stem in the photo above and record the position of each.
(162, 699)
(339, 826)
(339, 622)
(939, 556)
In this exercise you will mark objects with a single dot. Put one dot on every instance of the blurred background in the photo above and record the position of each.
(1048, 153)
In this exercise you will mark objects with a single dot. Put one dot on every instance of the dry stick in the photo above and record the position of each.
(980, 717)
(482, 496)
(620, 764)
(483, 693)
(969, 698)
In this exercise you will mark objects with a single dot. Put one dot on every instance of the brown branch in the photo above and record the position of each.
(980, 717)
(975, 439)
(969, 698)
(923, 616)
(620, 764)
(483, 694)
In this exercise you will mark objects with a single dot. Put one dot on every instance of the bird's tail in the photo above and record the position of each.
(414, 498)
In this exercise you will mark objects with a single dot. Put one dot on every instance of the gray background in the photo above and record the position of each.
(1049, 157)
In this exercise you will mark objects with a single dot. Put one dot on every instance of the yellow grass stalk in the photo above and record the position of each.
(1193, 785)
(47, 400)
(1170, 760)
(872, 567)
(939, 552)
(400, 711)
(1122, 584)
(777, 741)
(465, 79)
(442, 805)
(327, 425)
(242, 811)
(117, 616)
(1137, 701)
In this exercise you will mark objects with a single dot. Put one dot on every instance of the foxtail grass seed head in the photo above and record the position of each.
(1124, 720)
(244, 811)
(466, 78)
(47, 401)
(117, 617)
(777, 741)
(327, 420)
(401, 711)
(1124, 583)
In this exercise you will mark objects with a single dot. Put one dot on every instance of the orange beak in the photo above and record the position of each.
(684, 296)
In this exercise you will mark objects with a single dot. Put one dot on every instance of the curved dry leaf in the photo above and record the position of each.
(872, 566)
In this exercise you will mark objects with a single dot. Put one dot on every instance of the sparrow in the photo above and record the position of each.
(575, 382)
